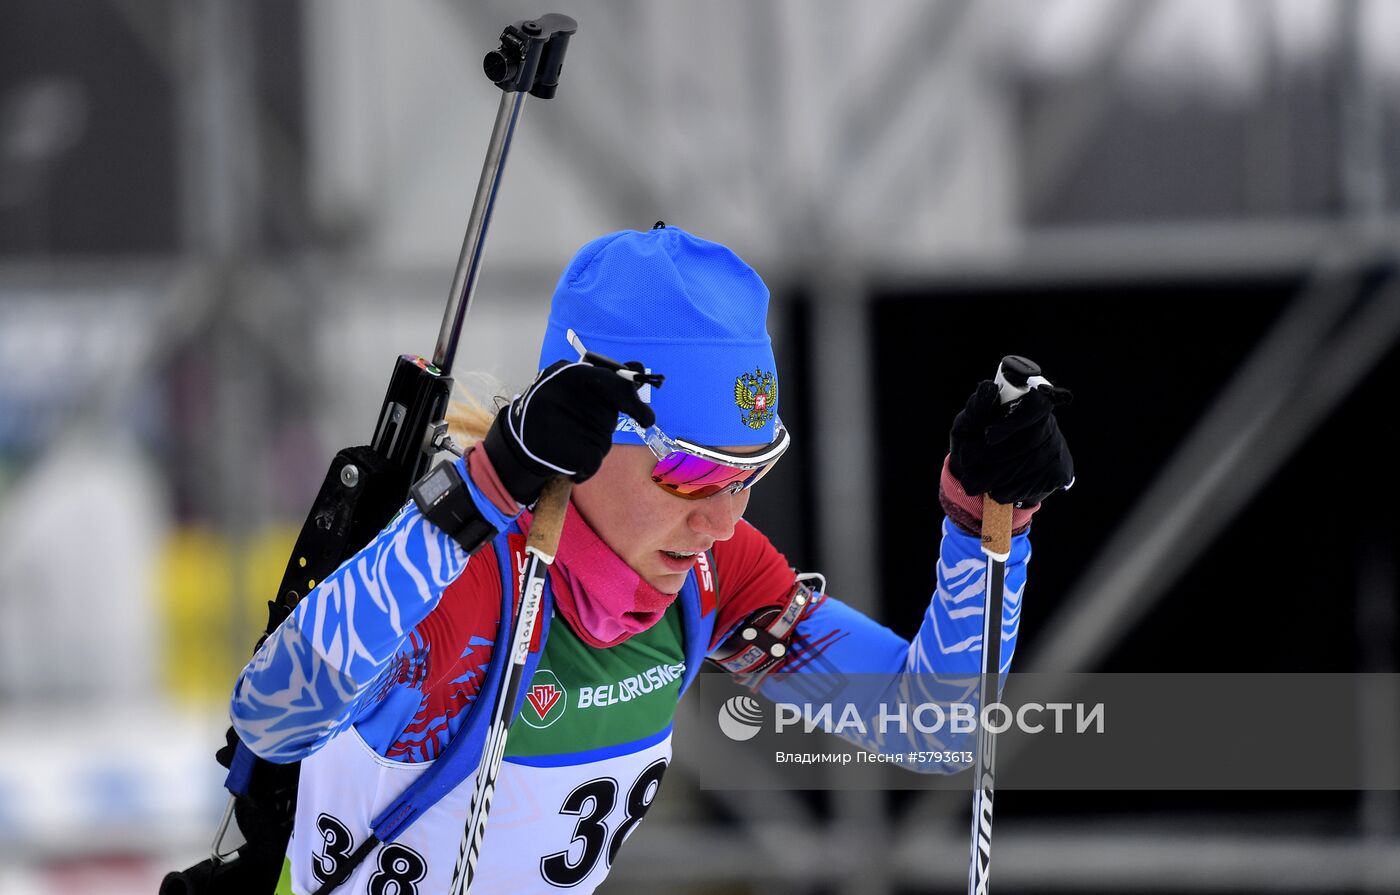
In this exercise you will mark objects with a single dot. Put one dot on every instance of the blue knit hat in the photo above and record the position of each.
(685, 307)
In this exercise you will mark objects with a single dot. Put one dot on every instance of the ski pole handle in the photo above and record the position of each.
(1016, 376)
(548, 522)
(550, 506)
(996, 528)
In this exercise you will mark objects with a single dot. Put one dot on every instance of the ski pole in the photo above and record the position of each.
(540, 547)
(1015, 377)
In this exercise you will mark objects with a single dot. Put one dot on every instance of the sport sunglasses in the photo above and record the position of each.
(694, 472)
(690, 470)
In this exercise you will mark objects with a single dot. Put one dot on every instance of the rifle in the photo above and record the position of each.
(366, 485)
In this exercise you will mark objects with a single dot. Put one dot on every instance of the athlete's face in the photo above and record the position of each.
(642, 523)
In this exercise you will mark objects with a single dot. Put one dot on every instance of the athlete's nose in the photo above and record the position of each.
(716, 515)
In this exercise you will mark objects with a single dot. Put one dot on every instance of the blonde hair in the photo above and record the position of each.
(469, 416)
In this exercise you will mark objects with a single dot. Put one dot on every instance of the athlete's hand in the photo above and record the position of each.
(561, 425)
(1018, 457)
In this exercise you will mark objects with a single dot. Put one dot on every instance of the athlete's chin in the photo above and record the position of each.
(667, 582)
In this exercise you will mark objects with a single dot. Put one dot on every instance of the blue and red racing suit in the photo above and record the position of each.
(376, 678)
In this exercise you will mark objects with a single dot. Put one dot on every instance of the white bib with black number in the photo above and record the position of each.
(550, 828)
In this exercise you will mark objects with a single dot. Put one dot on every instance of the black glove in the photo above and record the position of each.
(561, 425)
(1019, 457)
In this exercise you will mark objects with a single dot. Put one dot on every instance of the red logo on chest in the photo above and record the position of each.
(542, 698)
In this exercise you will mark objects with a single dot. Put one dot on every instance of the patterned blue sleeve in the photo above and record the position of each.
(313, 674)
(939, 665)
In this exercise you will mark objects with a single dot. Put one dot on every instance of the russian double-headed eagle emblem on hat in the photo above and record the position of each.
(756, 394)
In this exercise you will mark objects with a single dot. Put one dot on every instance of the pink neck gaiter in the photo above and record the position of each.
(601, 597)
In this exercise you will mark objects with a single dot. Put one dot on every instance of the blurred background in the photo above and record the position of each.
(220, 222)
